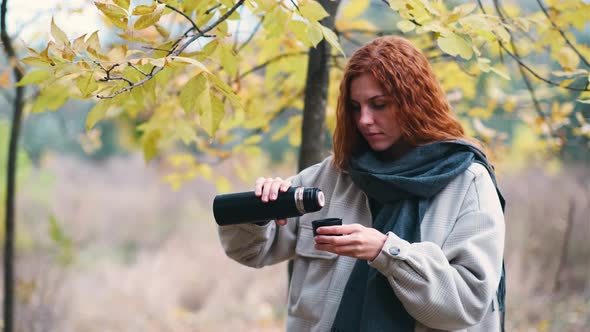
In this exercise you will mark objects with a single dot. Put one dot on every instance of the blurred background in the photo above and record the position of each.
(113, 236)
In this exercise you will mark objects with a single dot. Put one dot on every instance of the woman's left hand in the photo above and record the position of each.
(356, 241)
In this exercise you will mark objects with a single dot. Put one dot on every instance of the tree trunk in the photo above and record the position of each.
(312, 149)
(10, 178)
(316, 94)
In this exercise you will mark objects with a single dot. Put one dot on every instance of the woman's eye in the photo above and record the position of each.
(355, 108)
(379, 106)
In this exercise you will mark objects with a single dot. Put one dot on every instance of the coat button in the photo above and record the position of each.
(394, 251)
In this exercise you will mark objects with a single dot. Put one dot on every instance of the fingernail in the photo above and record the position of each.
(273, 196)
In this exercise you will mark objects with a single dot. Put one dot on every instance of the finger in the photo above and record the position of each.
(274, 188)
(258, 186)
(340, 230)
(349, 250)
(266, 189)
(285, 185)
(281, 222)
(336, 240)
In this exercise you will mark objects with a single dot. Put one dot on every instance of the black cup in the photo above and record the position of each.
(325, 222)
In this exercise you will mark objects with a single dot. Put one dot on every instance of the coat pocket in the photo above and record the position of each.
(312, 274)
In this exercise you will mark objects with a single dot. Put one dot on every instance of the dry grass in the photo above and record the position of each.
(148, 258)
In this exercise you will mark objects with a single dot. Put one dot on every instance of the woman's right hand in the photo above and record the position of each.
(268, 189)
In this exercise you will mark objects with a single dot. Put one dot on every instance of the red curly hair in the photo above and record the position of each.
(406, 76)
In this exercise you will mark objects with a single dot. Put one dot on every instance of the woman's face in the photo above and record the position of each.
(373, 113)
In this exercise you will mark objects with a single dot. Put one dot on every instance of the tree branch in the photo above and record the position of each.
(269, 61)
(254, 31)
(175, 52)
(525, 78)
(10, 213)
(195, 27)
(567, 41)
(525, 66)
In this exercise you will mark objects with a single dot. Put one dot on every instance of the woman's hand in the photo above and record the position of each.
(356, 241)
(268, 189)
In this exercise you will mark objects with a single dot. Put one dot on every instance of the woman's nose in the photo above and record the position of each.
(366, 117)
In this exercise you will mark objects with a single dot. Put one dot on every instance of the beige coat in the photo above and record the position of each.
(446, 282)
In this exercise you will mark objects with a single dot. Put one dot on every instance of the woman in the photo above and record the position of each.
(423, 226)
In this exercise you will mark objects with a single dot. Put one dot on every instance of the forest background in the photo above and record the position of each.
(136, 113)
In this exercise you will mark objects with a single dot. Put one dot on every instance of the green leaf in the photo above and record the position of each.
(58, 34)
(332, 39)
(312, 10)
(150, 19)
(33, 77)
(454, 45)
(111, 11)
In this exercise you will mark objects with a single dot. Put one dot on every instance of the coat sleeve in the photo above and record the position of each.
(257, 246)
(450, 287)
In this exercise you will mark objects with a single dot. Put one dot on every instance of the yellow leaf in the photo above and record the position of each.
(460, 11)
(501, 72)
(253, 140)
(314, 33)
(396, 4)
(37, 62)
(355, 8)
(211, 119)
(80, 43)
(97, 113)
(93, 41)
(312, 10)
(568, 59)
(33, 77)
(229, 60)
(150, 144)
(190, 61)
(87, 84)
(454, 45)
(299, 29)
(121, 23)
(190, 91)
(484, 64)
(59, 36)
(405, 26)
(332, 39)
(143, 10)
(122, 3)
(111, 11)
(162, 31)
(150, 19)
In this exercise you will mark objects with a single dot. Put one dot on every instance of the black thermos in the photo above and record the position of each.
(246, 207)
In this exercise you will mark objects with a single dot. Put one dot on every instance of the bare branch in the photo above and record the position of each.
(269, 61)
(378, 33)
(210, 10)
(254, 31)
(567, 41)
(137, 68)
